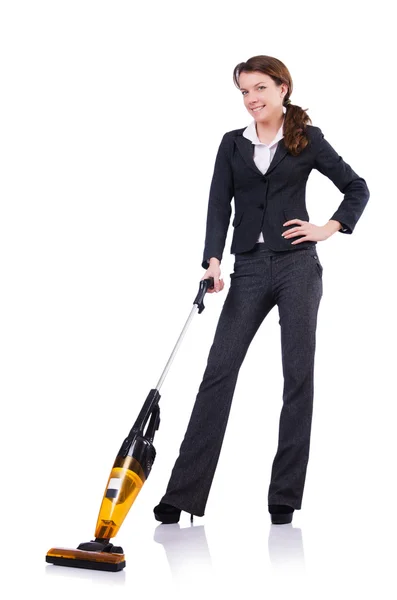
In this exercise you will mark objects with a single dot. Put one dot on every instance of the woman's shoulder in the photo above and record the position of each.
(313, 131)
(233, 133)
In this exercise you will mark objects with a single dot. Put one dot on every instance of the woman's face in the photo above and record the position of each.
(259, 90)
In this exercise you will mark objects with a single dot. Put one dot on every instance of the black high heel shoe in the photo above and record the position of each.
(280, 514)
(167, 514)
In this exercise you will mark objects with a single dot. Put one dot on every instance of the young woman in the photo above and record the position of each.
(265, 167)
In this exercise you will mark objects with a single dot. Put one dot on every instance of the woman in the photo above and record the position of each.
(265, 166)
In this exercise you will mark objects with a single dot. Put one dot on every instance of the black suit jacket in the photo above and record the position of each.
(263, 202)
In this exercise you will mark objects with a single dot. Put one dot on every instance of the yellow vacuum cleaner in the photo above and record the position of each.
(130, 471)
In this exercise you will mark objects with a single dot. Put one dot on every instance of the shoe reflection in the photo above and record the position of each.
(286, 547)
(186, 550)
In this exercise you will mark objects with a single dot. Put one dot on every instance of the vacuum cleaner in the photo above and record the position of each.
(130, 470)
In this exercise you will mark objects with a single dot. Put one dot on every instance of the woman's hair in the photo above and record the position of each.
(296, 118)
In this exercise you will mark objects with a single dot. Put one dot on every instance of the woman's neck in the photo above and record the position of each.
(267, 131)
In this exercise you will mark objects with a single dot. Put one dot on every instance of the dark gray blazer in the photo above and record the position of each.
(263, 202)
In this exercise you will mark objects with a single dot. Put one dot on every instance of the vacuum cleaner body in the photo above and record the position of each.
(129, 472)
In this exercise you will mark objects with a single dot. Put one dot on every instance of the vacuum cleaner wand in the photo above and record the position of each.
(130, 470)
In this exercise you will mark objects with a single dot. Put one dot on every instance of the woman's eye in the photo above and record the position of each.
(259, 87)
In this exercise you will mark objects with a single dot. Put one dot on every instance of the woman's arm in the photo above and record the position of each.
(219, 208)
(333, 226)
(354, 188)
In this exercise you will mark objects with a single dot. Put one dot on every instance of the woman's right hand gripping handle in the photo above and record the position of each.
(215, 272)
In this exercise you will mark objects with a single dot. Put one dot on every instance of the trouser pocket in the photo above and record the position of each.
(319, 266)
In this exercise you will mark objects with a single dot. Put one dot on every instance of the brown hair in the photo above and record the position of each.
(296, 118)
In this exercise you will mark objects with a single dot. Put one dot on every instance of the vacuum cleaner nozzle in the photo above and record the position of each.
(98, 555)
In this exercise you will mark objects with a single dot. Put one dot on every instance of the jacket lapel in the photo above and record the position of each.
(246, 149)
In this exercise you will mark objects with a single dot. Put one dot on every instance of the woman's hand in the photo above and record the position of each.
(215, 272)
(311, 232)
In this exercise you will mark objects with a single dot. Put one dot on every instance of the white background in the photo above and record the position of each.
(111, 116)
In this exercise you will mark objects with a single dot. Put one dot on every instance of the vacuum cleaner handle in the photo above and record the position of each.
(198, 302)
(205, 284)
(153, 397)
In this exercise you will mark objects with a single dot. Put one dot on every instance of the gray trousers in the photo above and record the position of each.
(261, 279)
